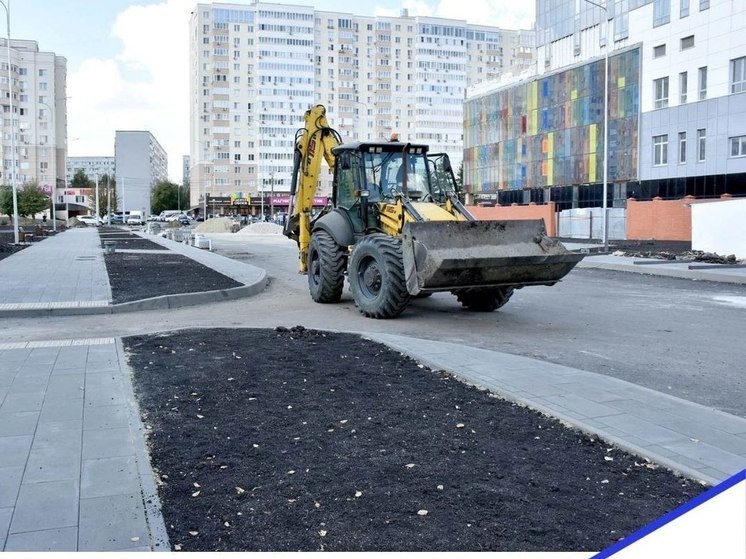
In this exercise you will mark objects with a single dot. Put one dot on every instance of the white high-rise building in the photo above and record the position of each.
(91, 165)
(140, 163)
(257, 68)
(39, 122)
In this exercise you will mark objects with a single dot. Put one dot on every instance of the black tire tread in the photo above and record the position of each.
(393, 297)
(332, 263)
(484, 299)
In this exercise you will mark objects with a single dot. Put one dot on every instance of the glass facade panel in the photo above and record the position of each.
(549, 131)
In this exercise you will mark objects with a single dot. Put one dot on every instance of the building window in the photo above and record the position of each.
(738, 75)
(684, 8)
(661, 12)
(704, 5)
(701, 144)
(659, 51)
(738, 146)
(660, 150)
(703, 83)
(682, 147)
(683, 86)
(687, 42)
(660, 88)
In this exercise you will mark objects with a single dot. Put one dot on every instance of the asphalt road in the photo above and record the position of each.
(676, 336)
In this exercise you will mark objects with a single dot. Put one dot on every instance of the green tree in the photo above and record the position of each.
(166, 195)
(6, 200)
(81, 180)
(106, 188)
(31, 200)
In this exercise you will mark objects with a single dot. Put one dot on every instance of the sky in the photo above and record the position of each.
(128, 61)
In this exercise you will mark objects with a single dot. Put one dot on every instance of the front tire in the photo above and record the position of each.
(376, 275)
(483, 300)
(326, 266)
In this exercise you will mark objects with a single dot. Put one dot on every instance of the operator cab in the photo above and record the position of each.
(382, 171)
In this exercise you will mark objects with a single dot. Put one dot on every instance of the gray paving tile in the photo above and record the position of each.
(10, 483)
(98, 397)
(107, 443)
(14, 450)
(103, 477)
(23, 401)
(112, 523)
(105, 417)
(64, 387)
(29, 382)
(640, 428)
(56, 371)
(45, 506)
(49, 431)
(708, 455)
(5, 515)
(43, 356)
(579, 404)
(62, 410)
(18, 423)
(60, 539)
(54, 459)
(35, 369)
(6, 379)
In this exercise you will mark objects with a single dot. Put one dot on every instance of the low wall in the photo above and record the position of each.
(530, 211)
(662, 220)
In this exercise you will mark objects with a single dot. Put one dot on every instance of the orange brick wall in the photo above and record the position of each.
(664, 220)
(531, 211)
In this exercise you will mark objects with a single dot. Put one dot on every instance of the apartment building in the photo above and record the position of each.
(36, 124)
(676, 112)
(140, 162)
(257, 68)
(91, 165)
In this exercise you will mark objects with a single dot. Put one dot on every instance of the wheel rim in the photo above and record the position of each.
(369, 276)
(314, 269)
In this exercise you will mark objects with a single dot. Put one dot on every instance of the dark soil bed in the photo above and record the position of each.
(134, 243)
(303, 440)
(142, 275)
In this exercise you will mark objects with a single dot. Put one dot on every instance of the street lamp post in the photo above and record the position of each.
(14, 185)
(604, 206)
(271, 190)
(98, 215)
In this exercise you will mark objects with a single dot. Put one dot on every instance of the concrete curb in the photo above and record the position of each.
(151, 502)
(678, 270)
(173, 301)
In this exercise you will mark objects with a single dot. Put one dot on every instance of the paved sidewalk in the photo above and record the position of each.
(74, 472)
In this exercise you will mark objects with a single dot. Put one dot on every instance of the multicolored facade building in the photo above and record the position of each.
(677, 108)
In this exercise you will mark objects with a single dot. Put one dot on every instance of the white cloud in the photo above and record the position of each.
(145, 87)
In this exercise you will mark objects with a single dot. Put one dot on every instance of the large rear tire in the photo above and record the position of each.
(376, 275)
(326, 267)
(483, 300)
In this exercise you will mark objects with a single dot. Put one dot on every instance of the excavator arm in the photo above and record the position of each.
(312, 143)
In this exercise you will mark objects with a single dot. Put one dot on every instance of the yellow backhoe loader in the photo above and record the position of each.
(396, 228)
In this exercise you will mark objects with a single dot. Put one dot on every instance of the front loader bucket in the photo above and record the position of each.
(448, 255)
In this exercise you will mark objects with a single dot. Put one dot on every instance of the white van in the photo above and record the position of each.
(135, 218)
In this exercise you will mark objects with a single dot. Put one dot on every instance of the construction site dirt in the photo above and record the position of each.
(293, 439)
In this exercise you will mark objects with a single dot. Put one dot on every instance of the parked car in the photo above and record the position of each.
(184, 219)
(89, 220)
(135, 220)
